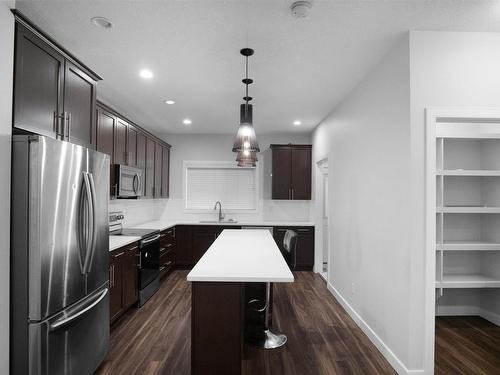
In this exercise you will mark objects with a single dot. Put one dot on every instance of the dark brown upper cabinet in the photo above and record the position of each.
(158, 169)
(141, 152)
(120, 142)
(127, 143)
(132, 146)
(149, 188)
(165, 172)
(53, 95)
(38, 96)
(79, 107)
(105, 128)
(291, 172)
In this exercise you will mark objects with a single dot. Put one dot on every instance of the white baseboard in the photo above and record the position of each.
(457, 310)
(468, 310)
(490, 315)
(395, 362)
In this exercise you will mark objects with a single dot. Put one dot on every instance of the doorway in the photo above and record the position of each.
(323, 206)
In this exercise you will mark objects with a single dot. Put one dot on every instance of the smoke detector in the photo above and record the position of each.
(301, 8)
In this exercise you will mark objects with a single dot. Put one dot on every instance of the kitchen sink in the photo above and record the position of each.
(230, 221)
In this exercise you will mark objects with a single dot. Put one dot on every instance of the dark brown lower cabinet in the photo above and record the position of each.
(167, 251)
(123, 275)
(305, 246)
(115, 285)
(192, 241)
(203, 238)
(183, 246)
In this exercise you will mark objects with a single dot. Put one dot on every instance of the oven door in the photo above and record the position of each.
(149, 266)
(129, 181)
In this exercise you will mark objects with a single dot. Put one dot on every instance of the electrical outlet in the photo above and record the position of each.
(353, 288)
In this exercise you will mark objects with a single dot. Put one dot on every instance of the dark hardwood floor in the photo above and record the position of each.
(467, 345)
(322, 338)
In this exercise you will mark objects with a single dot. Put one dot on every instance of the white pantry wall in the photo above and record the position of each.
(457, 70)
(6, 77)
(368, 141)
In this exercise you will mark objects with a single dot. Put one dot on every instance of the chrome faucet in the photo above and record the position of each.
(221, 216)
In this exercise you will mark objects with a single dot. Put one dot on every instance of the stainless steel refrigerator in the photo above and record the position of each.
(59, 257)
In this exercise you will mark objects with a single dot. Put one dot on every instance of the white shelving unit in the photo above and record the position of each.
(468, 281)
(467, 207)
(468, 246)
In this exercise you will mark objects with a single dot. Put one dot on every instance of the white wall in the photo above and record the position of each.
(214, 147)
(217, 147)
(6, 76)
(368, 140)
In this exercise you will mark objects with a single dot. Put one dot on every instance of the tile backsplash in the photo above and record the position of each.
(143, 210)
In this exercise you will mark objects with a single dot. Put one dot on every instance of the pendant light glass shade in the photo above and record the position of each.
(246, 158)
(245, 139)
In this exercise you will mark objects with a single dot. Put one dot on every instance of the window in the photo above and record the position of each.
(209, 182)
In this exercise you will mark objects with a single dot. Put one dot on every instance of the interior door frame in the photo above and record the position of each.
(319, 197)
(432, 117)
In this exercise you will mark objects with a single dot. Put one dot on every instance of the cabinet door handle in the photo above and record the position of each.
(118, 255)
(67, 116)
(112, 276)
(292, 194)
(57, 125)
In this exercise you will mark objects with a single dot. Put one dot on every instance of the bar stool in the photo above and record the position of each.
(269, 339)
(266, 339)
(290, 247)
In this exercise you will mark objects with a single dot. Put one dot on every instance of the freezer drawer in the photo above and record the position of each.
(73, 342)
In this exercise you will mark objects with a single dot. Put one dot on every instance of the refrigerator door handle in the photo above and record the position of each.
(90, 224)
(93, 224)
(78, 310)
(82, 226)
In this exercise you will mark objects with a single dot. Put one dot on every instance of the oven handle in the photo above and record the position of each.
(144, 242)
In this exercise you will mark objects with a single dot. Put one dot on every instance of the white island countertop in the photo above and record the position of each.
(240, 255)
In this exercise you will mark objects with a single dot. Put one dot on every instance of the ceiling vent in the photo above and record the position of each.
(301, 8)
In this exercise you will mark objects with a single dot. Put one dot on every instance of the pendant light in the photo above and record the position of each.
(245, 142)
(246, 158)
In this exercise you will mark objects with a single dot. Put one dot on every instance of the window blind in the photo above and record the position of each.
(234, 187)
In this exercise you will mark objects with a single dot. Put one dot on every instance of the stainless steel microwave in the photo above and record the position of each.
(128, 181)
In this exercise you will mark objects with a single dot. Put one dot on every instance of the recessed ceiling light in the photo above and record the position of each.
(186, 121)
(146, 74)
(297, 123)
(169, 101)
(102, 22)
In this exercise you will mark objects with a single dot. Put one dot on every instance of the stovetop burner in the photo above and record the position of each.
(136, 232)
(115, 220)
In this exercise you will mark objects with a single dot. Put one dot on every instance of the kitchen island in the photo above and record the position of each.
(237, 257)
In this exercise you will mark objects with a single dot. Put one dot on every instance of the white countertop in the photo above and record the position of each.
(115, 242)
(165, 224)
(239, 255)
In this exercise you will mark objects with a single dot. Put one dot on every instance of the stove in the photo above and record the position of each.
(149, 255)
(136, 232)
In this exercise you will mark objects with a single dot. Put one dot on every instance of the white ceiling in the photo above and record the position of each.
(302, 67)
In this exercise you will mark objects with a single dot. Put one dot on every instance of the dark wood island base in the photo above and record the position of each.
(217, 328)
